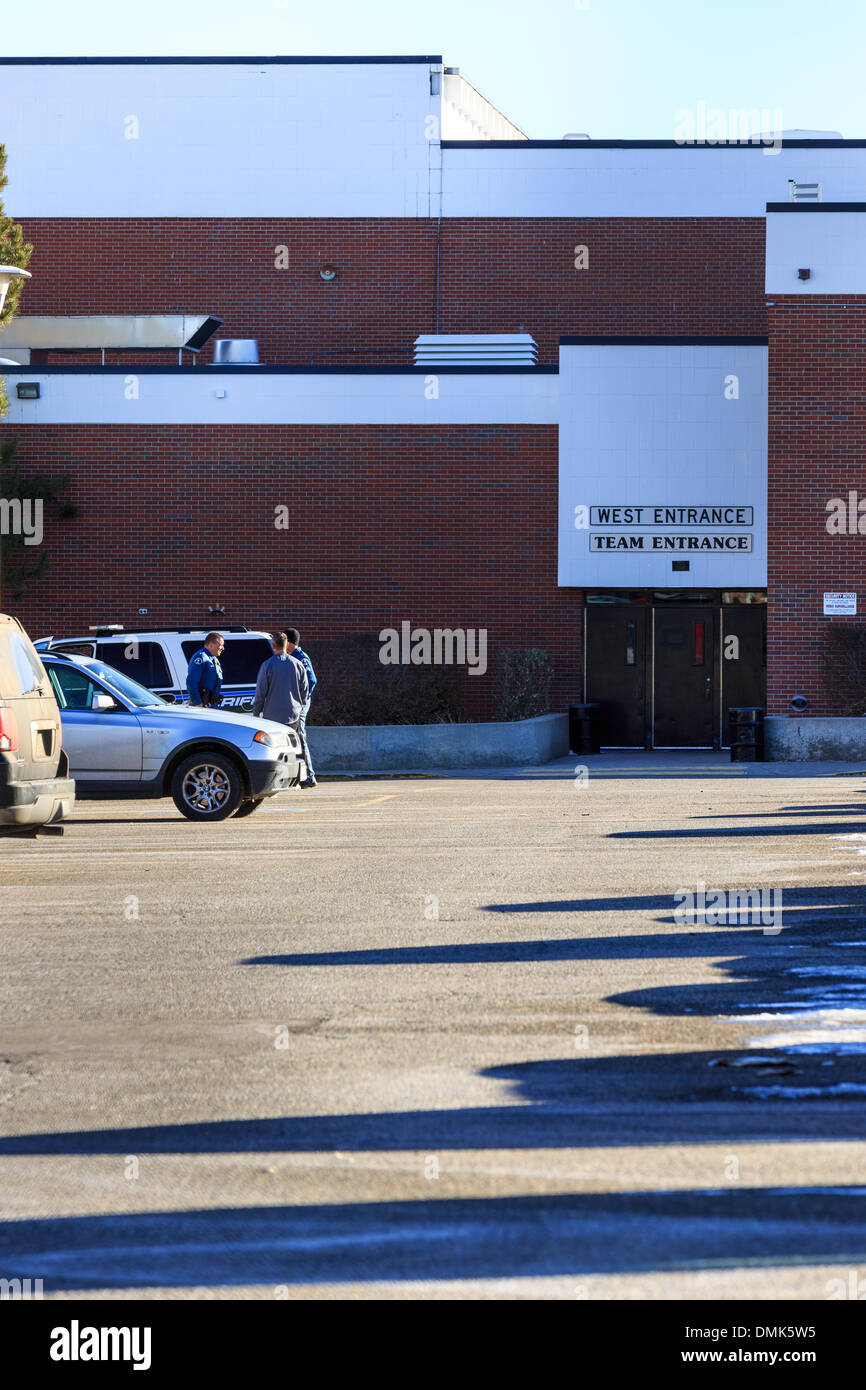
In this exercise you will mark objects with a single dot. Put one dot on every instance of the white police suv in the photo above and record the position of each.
(159, 657)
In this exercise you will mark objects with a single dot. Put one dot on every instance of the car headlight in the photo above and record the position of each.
(271, 740)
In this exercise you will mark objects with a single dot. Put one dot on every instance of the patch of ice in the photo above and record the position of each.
(835, 1191)
(858, 971)
(818, 996)
(810, 1030)
(843, 1088)
(805, 1000)
(809, 1041)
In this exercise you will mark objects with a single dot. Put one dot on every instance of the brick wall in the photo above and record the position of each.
(646, 275)
(817, 451)
(445, 527)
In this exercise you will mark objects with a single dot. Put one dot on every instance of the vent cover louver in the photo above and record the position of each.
(803, 192)
(476, 350)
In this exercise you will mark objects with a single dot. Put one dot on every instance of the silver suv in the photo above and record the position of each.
(122, 740)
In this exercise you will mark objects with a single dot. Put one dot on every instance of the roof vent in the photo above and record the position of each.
(803, 192)
(236, 352)
(476, 350)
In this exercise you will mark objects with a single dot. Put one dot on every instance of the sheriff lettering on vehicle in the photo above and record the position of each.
(204, 677)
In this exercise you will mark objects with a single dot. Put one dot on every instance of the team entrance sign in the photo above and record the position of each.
(662, 464)
(612, 529)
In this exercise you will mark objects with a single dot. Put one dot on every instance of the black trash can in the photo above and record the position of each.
(583, 728)
(746, 730)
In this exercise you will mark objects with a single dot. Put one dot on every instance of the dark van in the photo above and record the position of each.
(35, 787)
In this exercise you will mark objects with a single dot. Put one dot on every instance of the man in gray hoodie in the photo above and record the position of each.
(282, 690)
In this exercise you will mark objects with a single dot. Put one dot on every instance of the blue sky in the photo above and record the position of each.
(612, 68)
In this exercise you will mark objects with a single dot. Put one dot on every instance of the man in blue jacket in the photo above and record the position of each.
(204, 677)
(294, 648)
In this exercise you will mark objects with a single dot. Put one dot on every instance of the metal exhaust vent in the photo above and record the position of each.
(803, 192)
(236, 352)
(105, 333)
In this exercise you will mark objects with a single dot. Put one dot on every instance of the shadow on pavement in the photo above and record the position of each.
(471, 1238)
(784, 811)
(722, 1097)
(737, 832)
(658, 1098)
(815, 912)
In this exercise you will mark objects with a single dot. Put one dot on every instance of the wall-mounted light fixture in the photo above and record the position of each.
(328, 272)
(804, 273)
(27, 390)
(8, 273)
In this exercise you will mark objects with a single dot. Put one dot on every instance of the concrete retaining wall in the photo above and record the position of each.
(799, 740)
(416, 747)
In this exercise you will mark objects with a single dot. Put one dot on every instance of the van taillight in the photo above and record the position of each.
(8, 730)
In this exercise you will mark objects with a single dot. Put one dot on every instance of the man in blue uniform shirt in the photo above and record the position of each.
(294, 648)
(204, 677)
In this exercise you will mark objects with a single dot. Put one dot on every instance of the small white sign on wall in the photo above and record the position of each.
(839, 603)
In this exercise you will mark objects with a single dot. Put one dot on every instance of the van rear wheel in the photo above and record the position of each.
(207, 786)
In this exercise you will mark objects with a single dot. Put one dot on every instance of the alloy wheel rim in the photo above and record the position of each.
(206, 788)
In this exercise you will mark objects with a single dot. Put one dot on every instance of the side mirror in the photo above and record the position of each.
(103, 702)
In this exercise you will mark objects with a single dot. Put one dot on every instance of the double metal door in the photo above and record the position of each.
(666, 675)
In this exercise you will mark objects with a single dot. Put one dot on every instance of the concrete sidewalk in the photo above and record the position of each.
(638, 763)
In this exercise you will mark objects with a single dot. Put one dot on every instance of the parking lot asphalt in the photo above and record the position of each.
(451, 1036)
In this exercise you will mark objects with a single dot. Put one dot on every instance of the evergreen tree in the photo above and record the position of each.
(21, 562)
(14, 250)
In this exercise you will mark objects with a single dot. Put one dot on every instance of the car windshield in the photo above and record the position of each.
(130, 690)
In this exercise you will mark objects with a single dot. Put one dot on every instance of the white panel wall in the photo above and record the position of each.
(831, 244)
(651, 426)
(218, 140)
(580, 181)
(264, 139)
(189, 398)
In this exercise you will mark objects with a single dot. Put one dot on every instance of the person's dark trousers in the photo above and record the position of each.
(300, 727)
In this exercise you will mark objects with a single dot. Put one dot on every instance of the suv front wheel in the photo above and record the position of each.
(207, 786)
